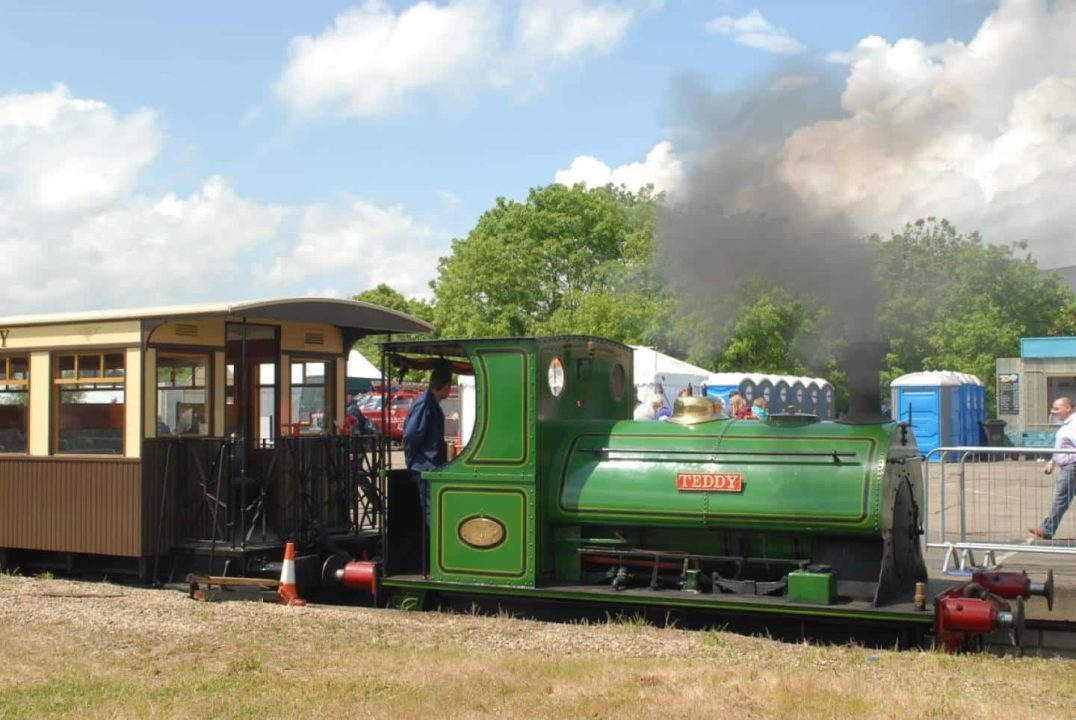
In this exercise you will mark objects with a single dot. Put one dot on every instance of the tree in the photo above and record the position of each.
(388, 297)
(566, 260)
(773, 330)
(952, 302)
(764, 335)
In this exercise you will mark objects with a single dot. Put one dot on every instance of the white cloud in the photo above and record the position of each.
(373, 60)
(564, 29)
(59, 154)
(359, 240)
(75, 232)
(982, 133)
(753, 30)
(661, 168)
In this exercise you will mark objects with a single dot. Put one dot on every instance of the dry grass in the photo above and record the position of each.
(95, 650)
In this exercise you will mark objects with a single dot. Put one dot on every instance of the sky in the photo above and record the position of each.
(164, 153)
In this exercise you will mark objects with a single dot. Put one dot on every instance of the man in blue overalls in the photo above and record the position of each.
(424, 434)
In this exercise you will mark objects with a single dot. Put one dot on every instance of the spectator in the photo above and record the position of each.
(356, 422)
(643, 411)
(1065, 463)
(738, 407)
(353, 416)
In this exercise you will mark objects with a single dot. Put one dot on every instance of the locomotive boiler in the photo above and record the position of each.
(747, 502)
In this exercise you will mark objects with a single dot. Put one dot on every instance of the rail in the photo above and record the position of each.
(985, 499)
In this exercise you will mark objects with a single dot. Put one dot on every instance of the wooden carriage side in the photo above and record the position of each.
(126, 436)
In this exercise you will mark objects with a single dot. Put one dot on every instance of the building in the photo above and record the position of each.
(1068, 275)
(1028, 384)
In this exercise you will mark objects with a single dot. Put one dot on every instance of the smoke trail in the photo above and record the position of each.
(739, 218)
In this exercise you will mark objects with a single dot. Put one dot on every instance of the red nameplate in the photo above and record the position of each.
(709, 482)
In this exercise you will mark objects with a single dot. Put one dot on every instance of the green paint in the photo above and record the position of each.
(508, 561)
(505, 425)
(818, 588)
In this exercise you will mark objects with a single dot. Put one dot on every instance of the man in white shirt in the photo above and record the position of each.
(1065, 464)
(643, 411)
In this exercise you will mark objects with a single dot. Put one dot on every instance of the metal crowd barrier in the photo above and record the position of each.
(984, 499)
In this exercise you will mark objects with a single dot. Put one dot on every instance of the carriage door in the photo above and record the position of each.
(252, 376)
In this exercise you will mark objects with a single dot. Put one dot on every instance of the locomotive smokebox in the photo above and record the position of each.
(863, 363)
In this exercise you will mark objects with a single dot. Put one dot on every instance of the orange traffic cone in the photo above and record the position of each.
(289, 594)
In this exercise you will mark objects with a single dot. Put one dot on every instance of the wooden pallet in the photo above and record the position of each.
(202, 585)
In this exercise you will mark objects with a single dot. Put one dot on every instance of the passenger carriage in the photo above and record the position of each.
(138, 440)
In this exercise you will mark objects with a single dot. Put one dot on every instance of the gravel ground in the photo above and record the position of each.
(97, 650)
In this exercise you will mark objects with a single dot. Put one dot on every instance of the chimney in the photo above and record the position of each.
(863, 363)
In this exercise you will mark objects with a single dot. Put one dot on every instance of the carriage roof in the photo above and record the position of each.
(366, 318)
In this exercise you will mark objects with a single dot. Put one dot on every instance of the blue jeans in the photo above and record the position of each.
(423, 493)
(1064, 490)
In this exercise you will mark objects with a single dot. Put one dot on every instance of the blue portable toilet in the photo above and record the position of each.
(765, 391)
(749, 388)
(781, 395)
(971, 418)
(826, 411)
(721, 385)
(980, 411)
(797, 391)
(811, 398)
(941, 406)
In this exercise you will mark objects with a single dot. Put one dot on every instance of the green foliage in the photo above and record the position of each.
(765, 335)
(773, 330)
(574, 260)
(387, 296)
(566, 260)
(952, 302)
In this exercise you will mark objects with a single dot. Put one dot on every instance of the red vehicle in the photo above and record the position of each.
(398, 409)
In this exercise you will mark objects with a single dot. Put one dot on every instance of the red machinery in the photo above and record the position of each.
(966, 613)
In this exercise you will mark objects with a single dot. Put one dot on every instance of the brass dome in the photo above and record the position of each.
(691, 410)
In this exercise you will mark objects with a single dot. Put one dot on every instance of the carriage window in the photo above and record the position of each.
(264, 400)
(232, 423)
(309, 396)
(14, 403)
(181, 394)
(89, 401)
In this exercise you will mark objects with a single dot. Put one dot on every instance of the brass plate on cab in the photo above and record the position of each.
(482, 532)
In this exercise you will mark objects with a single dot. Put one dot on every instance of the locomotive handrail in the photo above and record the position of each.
(835, 455)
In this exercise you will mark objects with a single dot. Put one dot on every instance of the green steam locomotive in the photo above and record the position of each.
(560, 496)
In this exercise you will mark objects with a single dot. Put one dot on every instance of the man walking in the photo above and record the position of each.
(1065, 464)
